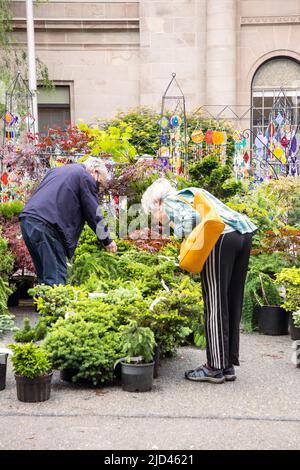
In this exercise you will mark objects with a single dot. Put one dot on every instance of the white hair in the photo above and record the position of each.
(155, 194)
(94, 164)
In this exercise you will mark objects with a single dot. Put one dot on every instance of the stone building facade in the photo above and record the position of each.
(115, 54)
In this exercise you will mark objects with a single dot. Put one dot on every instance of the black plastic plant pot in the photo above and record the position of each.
(137, 377)
(3, 368)
(33, 390)
(273, 320)
(294, 330)
(2, 376)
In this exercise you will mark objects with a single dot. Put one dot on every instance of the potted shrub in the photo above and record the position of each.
(3, 366)
(289, 278)
(137, 368)
(85, 346)
(33, 373)
(272, 318)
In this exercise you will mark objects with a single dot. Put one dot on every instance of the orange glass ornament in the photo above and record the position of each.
(208, 137)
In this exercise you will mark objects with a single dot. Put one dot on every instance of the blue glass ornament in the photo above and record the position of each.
(164, 138)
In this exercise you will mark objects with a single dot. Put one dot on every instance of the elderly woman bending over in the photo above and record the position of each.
(222, 277)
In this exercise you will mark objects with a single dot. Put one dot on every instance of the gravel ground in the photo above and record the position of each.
(261, 410)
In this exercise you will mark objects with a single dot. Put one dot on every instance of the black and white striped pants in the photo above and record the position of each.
(223, 280)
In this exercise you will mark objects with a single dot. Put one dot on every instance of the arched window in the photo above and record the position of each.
(276, 82)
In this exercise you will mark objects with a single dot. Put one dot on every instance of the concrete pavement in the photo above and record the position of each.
(261, 410)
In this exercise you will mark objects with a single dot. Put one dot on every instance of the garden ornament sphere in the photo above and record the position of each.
(208, 137)
(197, 136)
(218, 137)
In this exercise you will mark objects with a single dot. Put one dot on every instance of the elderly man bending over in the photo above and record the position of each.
(54, 216)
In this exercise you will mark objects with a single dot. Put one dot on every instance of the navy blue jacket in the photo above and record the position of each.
(66, 199)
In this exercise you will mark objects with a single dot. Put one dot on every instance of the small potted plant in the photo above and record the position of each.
(33, 373)
(138, 345)
(289, 279)
(272, 319)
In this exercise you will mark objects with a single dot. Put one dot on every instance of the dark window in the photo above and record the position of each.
(53, 108)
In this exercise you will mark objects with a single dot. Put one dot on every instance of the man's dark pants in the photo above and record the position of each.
(46, 250)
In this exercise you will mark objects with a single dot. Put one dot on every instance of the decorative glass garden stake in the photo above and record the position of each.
(174, 146)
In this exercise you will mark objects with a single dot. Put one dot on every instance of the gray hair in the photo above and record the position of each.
(155, 194)
(95, 164)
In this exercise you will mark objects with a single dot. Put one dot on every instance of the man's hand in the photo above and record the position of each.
(112, 247)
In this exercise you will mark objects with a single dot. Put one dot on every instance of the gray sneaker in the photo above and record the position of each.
(229, 374)
(204, 374)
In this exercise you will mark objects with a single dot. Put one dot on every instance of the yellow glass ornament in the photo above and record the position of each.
(197, 136)
(278, 152)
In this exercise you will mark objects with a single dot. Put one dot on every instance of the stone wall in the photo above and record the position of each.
(119, 54)
(94, 47)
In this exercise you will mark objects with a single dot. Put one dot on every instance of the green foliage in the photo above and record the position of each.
(6, 323)
(212, 175)
(6, 319)
(85, 344)
(174, 315)
(290, 279)
(146, 269)
(143, 122)
(30, 360)
(270, 205)
(6, 260)
(128, 283)
(29, 333)
(137, 341)
(266, 292)
(113, 142)
(269, 263)
(296, 318)
(145, 129)
(54, 302)
(11, 208)
(263, 267)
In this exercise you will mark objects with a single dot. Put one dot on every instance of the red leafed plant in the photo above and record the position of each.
(71, 140)
(148, 240)
(12, 232)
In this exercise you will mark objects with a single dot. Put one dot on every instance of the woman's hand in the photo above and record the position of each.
(112, 247)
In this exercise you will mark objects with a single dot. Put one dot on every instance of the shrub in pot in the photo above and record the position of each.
(268, 264)
(295, 326)
(272, 319)
(33, 372)
(86, 344)
(289, 278)
(137, 369)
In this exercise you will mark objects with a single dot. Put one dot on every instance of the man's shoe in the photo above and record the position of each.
(229, 374)
(204, 374)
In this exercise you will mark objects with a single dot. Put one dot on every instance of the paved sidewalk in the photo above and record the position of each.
(261, 410)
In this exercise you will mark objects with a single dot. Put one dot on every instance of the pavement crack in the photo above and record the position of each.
(154, 417)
